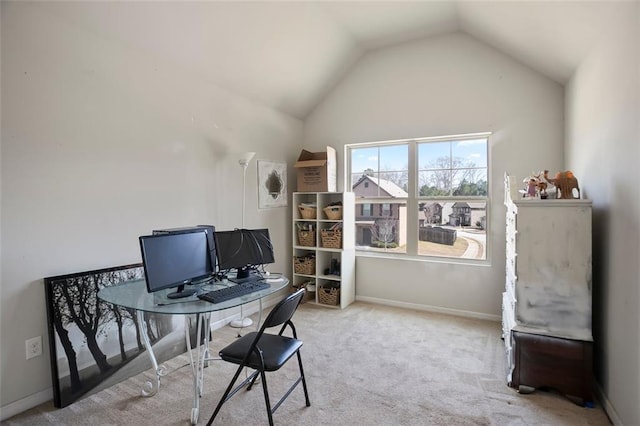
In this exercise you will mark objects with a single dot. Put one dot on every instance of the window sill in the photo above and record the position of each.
(428, 259)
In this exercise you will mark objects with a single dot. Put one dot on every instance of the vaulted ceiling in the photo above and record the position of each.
(287, 55)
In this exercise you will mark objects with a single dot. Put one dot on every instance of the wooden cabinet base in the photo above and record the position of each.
(552, 362)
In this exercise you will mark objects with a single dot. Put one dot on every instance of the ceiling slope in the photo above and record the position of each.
(288, 55)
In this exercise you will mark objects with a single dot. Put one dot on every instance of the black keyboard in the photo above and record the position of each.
(233, 291)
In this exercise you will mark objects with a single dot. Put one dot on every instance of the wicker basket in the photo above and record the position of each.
(304, 265)
(331, 238)
(307, 294)
(306, 238)
(307, 212)
(333, 212)
(329, 296)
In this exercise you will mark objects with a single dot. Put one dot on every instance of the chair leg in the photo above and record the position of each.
(225, 396)
(266, 397)
(304, 382)
(253, 381)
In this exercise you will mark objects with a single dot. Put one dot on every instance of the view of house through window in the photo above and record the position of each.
(435, 207)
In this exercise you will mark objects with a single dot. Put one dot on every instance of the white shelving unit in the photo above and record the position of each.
(334, 265)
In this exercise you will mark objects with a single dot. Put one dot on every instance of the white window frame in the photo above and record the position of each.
(413, 199)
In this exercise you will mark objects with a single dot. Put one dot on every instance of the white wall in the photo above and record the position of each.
(440, 86)
(603, 139)
(101, 143)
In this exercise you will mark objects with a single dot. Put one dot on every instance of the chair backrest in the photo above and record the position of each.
(284, 310)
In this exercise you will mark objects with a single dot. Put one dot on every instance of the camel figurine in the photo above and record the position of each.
(565, 182)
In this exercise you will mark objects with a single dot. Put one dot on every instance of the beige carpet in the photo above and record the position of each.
(365, 365)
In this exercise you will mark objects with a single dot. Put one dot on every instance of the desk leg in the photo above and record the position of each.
(201, 359)
(259, 315)
(149, 389)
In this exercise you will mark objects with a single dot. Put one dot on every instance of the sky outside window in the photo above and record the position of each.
(394, 157)
(469, 151)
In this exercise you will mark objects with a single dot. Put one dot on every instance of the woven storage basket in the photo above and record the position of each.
(307, 238)
(331, 238)
(307, 294)
(304, 265)
(307, 212)
(329, 296)
(333, 212)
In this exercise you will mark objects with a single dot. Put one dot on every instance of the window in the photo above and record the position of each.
(422, 197)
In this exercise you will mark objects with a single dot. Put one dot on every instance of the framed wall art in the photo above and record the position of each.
(272, 184)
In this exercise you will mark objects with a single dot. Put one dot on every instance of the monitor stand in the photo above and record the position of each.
(181, 292)
(243, 272)
(244, 275)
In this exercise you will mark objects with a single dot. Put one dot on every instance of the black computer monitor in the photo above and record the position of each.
(197, 228)
(243, 250)
(174, 259)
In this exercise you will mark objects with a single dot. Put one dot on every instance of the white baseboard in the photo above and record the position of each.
(41, 397)
(25, 404)
(429, 308)
(606, 405)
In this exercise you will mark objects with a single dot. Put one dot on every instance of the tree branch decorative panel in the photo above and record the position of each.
(93, 344)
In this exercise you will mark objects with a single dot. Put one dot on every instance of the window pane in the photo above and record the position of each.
(473, 151)
(386, 167)
(436, 183)
(434, 155)
(394, 158)
(379, 232)
(452, 229)
(470, 182)
(363, 159)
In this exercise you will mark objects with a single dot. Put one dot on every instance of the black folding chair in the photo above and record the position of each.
(266, 352)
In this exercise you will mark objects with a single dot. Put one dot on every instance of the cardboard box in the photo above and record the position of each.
(317, 171)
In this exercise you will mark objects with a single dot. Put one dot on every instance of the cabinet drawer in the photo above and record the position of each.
(561, 364)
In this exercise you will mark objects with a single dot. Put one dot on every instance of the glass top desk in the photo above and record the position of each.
(133, 295)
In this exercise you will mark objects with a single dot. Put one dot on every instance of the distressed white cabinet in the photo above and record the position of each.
(333, 261)
(548, 270)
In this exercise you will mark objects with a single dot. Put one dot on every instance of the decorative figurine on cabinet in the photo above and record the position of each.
(532, 188)
(535, 187)
(563, 186)
(566, 183)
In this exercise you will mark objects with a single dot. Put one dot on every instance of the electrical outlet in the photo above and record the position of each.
(33, 347)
